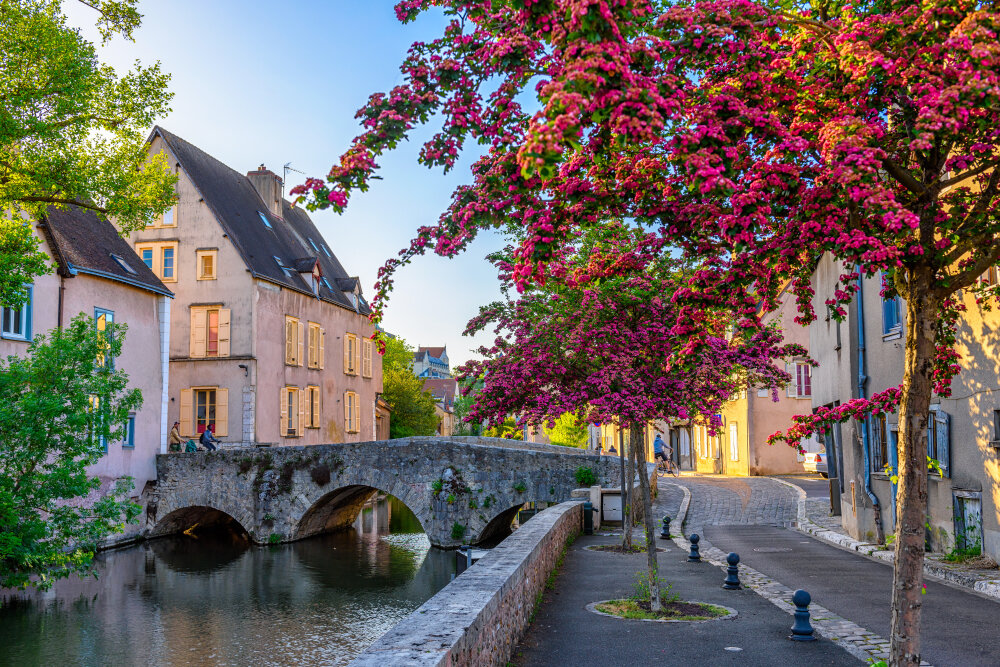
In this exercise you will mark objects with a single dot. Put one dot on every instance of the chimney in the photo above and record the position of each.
(268, 186)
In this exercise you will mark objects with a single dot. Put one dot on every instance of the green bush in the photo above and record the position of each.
(585, 476)
(457, 531)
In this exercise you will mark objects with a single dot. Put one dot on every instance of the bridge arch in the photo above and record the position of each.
(339, 508)
(202, 516)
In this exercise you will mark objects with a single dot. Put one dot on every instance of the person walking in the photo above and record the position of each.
(208, 439)
(174, 439)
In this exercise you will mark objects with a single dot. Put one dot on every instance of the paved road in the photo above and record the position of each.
(565, 633)
(958, 628)
(814, 485)
(737, 500)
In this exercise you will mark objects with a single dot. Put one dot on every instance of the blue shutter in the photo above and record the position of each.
(942, 424)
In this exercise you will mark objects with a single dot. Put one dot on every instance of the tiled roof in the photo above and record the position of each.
(84, 242)
(442, 389)
(433, 351)
(236, 204)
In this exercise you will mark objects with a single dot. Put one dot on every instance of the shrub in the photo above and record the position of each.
(520, 487)
(585, 476)
(457, 531)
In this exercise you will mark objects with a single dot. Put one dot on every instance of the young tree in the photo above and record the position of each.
(568, 430)
(58, 408)
(72, 131)
(411, 405)
(776, 131)
(601, 341)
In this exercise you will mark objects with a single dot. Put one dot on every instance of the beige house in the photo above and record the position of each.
(96, 273)
(270, 337)
(864, 355)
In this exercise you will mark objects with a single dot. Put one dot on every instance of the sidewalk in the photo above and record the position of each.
(814, 519)
(565, 633)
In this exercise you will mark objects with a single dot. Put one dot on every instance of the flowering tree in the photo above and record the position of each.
(606, 340)
(774, 131)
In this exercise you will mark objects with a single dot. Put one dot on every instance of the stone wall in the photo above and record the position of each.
(479, 618)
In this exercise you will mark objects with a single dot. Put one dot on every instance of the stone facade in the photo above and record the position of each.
(463, 490)
(479, 617)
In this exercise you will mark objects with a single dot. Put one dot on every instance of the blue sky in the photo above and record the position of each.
(276, 82)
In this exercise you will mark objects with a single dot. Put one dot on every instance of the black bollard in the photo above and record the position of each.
(802, 630)
(732, 582)
(665, 532)
(695, 555)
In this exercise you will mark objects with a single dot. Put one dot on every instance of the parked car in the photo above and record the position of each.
(816, 462)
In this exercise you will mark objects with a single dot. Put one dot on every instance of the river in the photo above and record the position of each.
(217, 600)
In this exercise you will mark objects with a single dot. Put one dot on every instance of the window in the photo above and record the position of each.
(892, 322)
(327, 251)
(102, 318)
(263, 218)
(292, 408)
(210, 327)
(120, 261)
(734, 443)
(312, 244)
(351, 354)
(879, 443)
(989, 278)
(128, 441)
(312, 406)
(281, 265)
(801, 383)
(207, 260)
(17, 321)
(317, 345)
(201, 406)
(763, 392)
(939, 439)
(996, 424)
(166, 219)
(161, 258)
(352, 412)
(293, 341)
(367, 346)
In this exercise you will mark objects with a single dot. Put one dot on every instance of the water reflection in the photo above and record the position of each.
(216, 600)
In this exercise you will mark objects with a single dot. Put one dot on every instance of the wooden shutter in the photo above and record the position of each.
(221, 412)
(302, 411)
(289, 342)
(299, 335)
(347, 355)
(224, 319)
(199, 327)
(187, 412)
(322, 347)
(366, 362)
(313, 345)
(942, 425)
(347, 411)
(790, 389)
(315, 408)
(283, 421)
(357, 414)
(357, 355)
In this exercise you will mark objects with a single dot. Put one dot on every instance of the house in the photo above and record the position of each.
(444, 390)
(740, 448)
(270, 338)
(864, 354)
(431, 362)
(98, 274)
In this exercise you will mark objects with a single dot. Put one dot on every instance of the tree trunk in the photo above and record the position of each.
(639, 442)
(911, 494)
(626, 493)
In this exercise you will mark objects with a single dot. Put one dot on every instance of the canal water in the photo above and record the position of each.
(217, 600)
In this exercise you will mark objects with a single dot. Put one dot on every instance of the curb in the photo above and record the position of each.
(989, 587)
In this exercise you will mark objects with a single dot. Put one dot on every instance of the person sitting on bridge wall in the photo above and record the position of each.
(208, 439)
(174, 440)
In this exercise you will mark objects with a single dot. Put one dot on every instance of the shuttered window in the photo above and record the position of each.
(366, 357)
(352, 412)
(351, 354)
(201, 406)
(313, 406)
(210, 329)
(800, 385)
(292, 408)
(939, 439)
(317, 345)
(294, 343)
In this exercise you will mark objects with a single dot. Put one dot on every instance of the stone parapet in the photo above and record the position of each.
(479, 618)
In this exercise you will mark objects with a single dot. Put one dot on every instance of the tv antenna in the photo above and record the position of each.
(284, 177)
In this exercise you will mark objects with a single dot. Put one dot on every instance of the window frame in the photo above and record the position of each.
(293, 341)
(194, 409)
(351, 354)
(734, 441)
(352, 412)
(158, 248)
(109, 316)
(315, 347)
(128, 441)
(879, 433)
(25, 319)
(891, 329)
(199, 265)
(314, 398)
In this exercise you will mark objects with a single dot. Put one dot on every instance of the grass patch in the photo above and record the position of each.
(618, 549)
(671, 611)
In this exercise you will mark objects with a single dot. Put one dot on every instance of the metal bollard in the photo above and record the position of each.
(665, 532)
(732, 582)
(802, 630)
(695, 555)
(588, 518)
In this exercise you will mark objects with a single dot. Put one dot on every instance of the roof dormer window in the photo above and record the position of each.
(315, 249)
(120, 261)
(263, 218)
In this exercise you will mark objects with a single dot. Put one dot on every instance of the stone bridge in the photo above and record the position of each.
(462, 489)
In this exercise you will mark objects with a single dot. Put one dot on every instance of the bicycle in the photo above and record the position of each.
(667, 466)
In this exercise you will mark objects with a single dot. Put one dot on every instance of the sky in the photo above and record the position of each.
(277, 82)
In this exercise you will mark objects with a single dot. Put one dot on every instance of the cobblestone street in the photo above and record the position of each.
(718, 500)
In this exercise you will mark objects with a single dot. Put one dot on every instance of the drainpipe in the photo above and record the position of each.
(862, 393)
